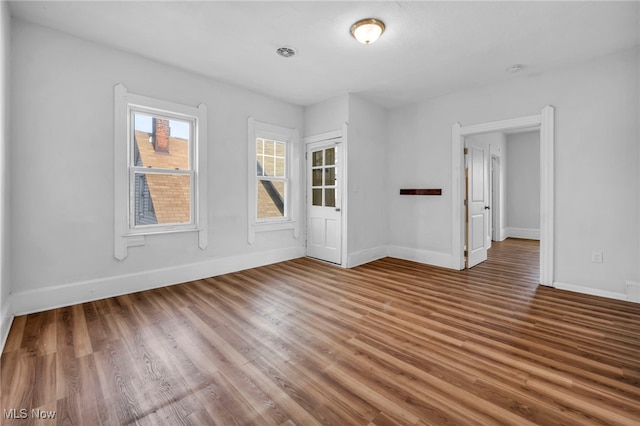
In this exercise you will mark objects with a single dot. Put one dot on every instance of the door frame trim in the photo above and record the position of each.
(543, 121)
(496, 200)
(328, 137)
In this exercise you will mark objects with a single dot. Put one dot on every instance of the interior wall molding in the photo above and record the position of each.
(428, 257)
(590, 291)
(5, 321)
(37, 300)
(525, 233)
(365, 256)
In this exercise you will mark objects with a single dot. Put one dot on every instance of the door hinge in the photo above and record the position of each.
(465, 253)
(465, 202)
(306, 155)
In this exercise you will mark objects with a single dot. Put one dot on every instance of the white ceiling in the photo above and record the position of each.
(429, 48)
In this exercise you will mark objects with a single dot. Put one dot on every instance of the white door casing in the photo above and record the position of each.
(477, 203)
(495, 199)
(324, 200)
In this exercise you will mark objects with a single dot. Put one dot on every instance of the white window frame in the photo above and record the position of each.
(147, 170)
(127, 234)
(257, 129)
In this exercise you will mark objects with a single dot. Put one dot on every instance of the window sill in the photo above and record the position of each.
(168, 230)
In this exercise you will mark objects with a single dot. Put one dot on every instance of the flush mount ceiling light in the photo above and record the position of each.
(366, 31)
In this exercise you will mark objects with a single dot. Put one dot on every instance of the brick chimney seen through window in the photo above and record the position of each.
(161, 135)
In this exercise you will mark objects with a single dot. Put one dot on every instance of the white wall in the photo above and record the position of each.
(367, 181)
(419, 226)
(366, 187)
(5, 309)
(62, 177)
(326, 116)
(523, 185)
(597, 186)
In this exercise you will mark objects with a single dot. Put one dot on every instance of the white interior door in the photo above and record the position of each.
(477, 205)
(324, 215)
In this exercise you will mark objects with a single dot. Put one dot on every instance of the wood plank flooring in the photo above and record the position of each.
(306, 343)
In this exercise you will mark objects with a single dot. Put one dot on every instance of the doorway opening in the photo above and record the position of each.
(505, 180)
(545, 123)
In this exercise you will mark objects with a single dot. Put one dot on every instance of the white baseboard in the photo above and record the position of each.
(428, 257)
(6, 318)
(591, 291)
(37, 300)
(633, 291)
(526, 233)
(502, 234)
(365, 256)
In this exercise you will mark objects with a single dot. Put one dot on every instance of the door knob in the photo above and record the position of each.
(337, 209)
(487, 207)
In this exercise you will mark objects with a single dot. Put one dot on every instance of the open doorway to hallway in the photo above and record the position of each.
(516, 257)
(543, 121)
(511, 183)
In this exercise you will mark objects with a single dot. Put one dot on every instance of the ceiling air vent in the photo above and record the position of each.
(286, 52)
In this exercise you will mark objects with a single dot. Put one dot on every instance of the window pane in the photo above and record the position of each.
(330, 159)
(160, 142)
(317, 197)
(330, 197)
(260, 166)
(270, 199)
(162, 199)
(280, 149)
(330, 176)
(316, 177)
(269, 166)
(259, 146)
(268, 148)
(280, 168)
(316, 158)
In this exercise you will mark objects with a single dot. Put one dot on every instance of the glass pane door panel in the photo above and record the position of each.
(317, 197)
(323, 177)
(330, 157)
(316, 159)
(316, 177)
(330, 176)
(330, 197)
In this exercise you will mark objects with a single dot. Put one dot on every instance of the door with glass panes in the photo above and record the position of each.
(324, 215)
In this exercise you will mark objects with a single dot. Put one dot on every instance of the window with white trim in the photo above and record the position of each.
(159, 179)
(161, 172)
(272, 173)
(272, 180)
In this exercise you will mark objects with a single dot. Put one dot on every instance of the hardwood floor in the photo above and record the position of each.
(304, 343)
